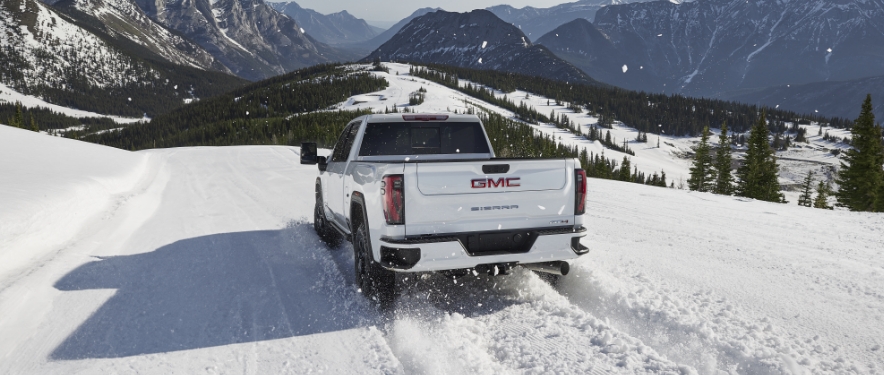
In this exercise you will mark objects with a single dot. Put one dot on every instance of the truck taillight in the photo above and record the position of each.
(579, 191)
(394, 199)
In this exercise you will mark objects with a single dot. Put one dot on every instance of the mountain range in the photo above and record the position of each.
(248, 36)
(119, 56)
(732, 49)
(125, 21)
(335, 28)
(535, 22)
(476, 39)
(829, 98)
(81, 63)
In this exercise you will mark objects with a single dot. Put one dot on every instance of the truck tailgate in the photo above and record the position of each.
(489, 195)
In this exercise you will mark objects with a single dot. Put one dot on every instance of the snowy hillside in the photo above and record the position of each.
(478, 40)
(202, 260)
(8, 95)
(46, 54)
(44, 49)
(124, 19)
(250, 38)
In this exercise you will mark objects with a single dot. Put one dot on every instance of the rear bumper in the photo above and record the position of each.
(449, 252)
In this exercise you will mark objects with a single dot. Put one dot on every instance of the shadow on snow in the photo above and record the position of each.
(245, 287)
(213, 290)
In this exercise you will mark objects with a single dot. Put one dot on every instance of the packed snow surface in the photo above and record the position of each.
(204, 260)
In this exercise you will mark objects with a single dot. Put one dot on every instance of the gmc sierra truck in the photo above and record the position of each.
(424, 192)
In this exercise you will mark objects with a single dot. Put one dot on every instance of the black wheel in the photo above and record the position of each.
(377, 283)
(551, 279)
(321, 225)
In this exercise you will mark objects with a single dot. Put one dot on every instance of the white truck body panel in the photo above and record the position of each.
(543, 194)
(443, 200)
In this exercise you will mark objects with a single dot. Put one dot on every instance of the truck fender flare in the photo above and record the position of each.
(359, 215)
(318, 187)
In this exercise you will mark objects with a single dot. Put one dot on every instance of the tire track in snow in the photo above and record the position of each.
(726, 293)
(508, 324)
(687, 332)
(303, 248)
(492, 325)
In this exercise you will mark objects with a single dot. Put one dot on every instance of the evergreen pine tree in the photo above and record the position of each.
(723, 177)
(18, 120)
(624, 170)
(34, 126)
(822, 196)
(861, 180)
(702, 170)
(805, 198)
(757, 177)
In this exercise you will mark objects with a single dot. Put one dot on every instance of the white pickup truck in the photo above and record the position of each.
(424, 192)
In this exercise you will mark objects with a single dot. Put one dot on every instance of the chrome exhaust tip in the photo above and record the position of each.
(558, 267)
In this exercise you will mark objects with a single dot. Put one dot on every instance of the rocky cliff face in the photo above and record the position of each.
(123, 19)
(377, 41)
(335, 28)
(248, 36)
(477, 40)
(535, 22)
(41, 48)
(582, 44)
(713, 47)
(80, 63)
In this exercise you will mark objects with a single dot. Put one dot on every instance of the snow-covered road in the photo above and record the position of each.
(202, 260)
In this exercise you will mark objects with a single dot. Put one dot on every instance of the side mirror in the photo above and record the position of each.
(321, 163)
(308, 153)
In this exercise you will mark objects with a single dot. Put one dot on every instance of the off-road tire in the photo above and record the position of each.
(321, 225)
(377, 283)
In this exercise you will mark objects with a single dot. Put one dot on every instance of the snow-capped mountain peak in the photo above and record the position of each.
(124, 19)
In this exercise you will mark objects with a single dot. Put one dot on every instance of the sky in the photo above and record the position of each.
(394, 10)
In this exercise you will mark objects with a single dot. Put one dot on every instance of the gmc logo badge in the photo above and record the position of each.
(480, 183)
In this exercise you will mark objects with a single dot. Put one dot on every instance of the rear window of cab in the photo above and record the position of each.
(422, 138)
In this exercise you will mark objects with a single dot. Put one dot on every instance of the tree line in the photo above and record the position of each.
(860, 178)
(522, 111)
(280, 107)
(42, 119)
(673, 114)
(756, 178)
(514, 139)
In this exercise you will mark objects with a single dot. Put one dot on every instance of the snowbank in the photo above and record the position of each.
(50, 187)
